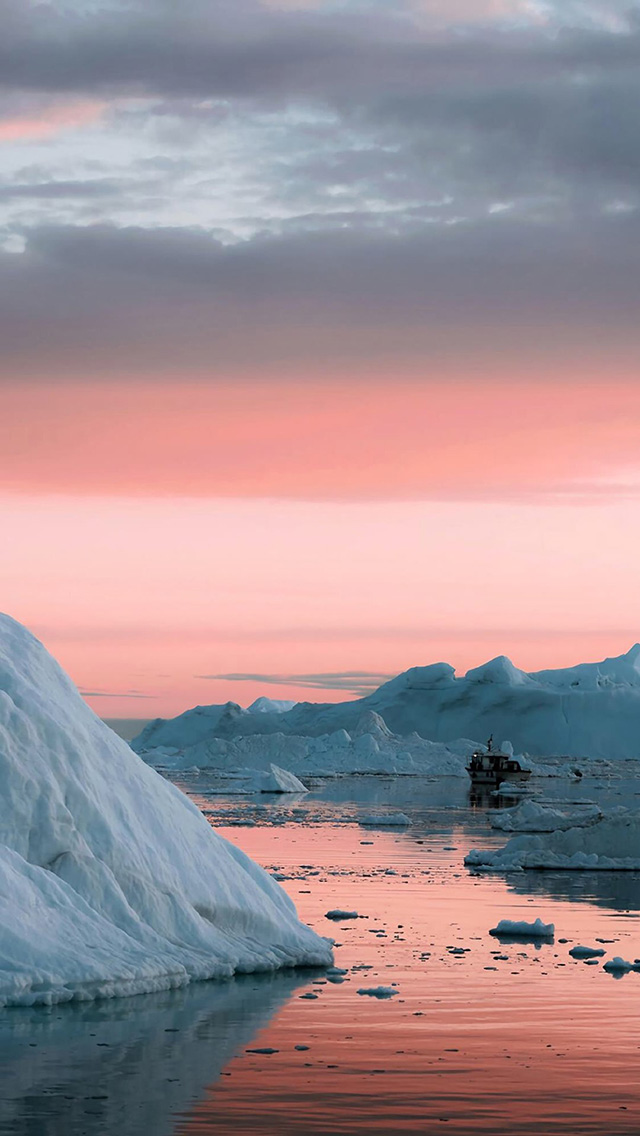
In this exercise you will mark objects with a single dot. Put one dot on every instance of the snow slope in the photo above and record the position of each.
(590, 710)
(111, 880)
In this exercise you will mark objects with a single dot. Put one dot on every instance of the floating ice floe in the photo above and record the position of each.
(580, 952)
(530, 816)
(385, 820)
(378, 991)
(510, 789)
(111, 880)
(619, 965)
(271, 780)
(521, 929)
(338, 913)
(611, 843)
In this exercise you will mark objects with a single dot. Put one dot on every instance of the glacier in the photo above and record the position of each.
(591, 710)
(111, 881)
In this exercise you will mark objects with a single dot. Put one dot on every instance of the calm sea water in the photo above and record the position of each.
(480, 1037)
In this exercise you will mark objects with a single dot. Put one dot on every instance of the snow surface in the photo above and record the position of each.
(111, 880)
(529, 816)
(610, 843)
(520, 929)
(591, 710)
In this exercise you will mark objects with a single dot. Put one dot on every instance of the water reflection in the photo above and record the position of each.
(618, 891)
(127, 1066)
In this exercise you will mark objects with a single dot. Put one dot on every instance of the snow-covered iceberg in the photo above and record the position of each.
(610, 843)
(186, 743)
(111, 880)
(591, 710)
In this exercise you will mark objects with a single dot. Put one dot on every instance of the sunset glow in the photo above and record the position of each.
(319, 349)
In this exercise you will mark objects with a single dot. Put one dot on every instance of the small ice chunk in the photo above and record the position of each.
(378, 991)
(586, 952)
(619, 965)
(520, 928)
(337, 913)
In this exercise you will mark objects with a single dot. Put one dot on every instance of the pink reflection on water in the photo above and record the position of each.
(537, 1043)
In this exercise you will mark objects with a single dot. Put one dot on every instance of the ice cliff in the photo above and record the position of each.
(111, 881)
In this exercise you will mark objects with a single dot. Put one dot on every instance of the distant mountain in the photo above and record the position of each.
(590, 710)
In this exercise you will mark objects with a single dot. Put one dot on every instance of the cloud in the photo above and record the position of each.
(352, 682)
(114, 694)
(245, 50)
(110, 299)
(54, 190)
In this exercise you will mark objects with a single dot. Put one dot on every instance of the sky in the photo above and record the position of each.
(319, 340)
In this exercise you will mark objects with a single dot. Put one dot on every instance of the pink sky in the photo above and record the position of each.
(319, 346)
(153, 536)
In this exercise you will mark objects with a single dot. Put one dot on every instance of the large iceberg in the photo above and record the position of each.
(111, 880)
(590, 710)
(369, 748)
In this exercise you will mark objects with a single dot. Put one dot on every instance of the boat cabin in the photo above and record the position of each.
(493, 766)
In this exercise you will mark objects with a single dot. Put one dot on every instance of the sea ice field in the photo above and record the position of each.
(425, 1022)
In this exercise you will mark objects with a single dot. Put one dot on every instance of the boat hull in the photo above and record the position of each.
(490, 777)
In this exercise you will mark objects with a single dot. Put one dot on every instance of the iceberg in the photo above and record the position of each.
(589, 711)
(369, 748)
(271, 780)
(530, 816)
(111, 881)
(610, 843)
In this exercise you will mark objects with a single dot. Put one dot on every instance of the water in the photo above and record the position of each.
(497, 1039)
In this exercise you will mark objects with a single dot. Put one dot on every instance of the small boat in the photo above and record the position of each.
(491, 767)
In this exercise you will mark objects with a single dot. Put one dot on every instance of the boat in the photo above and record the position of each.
(491, 767)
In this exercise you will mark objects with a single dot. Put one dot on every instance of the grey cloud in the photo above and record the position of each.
(248, 51)
(105, 297)
(114, 694)
(479, 113)
(55, 190)
(352, 682)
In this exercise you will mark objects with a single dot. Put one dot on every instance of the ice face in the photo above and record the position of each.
(111, 880)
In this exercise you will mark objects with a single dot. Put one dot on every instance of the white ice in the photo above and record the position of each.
(111, 880)
(520, 928)
(271, 780)
(385, 820)
(585, 712)
(530, 816)
(612, 843)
